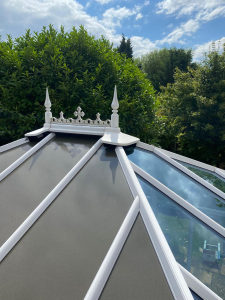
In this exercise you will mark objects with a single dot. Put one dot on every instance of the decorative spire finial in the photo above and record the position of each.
(115, 106)
(48, 114)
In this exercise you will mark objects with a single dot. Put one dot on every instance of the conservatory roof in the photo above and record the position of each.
(88, 212)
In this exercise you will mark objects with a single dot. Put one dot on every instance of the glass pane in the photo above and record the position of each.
(137, 273)
(31, 182)
(195, 296)
(60, 255)
(10, 156)
(195, 246)
(210, 177)
(183, 185)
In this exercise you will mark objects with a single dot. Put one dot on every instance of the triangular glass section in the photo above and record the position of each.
(197, 247)
(10, 156)
(195, 296)
(212, 178)
(180, 183)
(137, 273)
(24, 189)
(60, 255)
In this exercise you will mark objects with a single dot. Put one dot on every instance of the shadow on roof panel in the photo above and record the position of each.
(180, 183)
(10, 156)
(24, 189)
(137, 273)
(197, 247)
(60, 255)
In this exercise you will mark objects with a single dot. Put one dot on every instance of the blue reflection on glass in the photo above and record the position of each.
(183, 185)
(197, 247)
(208, 176)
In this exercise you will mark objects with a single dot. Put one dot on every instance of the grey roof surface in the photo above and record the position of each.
(60, 255)
(137, 273)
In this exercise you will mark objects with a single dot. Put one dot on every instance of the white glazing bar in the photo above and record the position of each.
(197, 286)
(146, 146)
(32, 218)
(220, 172)
(13, 144)
(190, 173)
(108, 263)
(168, 263)
(24, 157)
(193, 210)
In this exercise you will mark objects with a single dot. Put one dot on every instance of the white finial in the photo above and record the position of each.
(115, 106)
(48, 114)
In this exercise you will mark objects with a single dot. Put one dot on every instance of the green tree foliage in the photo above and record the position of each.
(160, 64)
(125, 47)
(79, 71)
(193, 111)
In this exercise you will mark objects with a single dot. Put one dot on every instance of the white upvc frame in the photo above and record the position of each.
(168, 263)
(14, 144)
(32, 218)
(189, 207)
(25, 156)
(198, 287)
(184, 159)
(190, 173)
(113, 253)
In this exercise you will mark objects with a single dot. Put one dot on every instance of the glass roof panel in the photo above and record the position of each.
(137, 273)
(180, 183)
(209, 176)
(60, 255)
(10, 156)
(32, 181)
(195, 296)
(195, 246)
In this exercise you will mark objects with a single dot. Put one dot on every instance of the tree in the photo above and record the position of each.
(193, 110)
(125, 47)
(160, 64)
(79, 71)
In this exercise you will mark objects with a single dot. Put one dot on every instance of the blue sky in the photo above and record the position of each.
(150, 24)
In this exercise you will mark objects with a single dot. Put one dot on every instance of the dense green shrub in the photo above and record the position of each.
(79, 71)
(193, 111)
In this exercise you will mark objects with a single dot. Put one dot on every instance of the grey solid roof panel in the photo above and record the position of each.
(60, 255)
(10, 156)
(137, 273)
(23, 190)
(209, 176)
(180, 183)
(197, 247)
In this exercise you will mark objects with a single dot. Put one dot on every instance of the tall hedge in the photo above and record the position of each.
(79, 71)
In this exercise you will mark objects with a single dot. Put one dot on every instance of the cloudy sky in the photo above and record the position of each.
(150, 24)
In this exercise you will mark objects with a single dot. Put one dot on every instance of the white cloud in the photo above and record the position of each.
(112, 17)
(103, 1)
(199, 50)
(141, 45)
(88, 4)
(170, 26)
(139, 16)
(175, 36)
(146, 2)
(18, 15)
(198, 12)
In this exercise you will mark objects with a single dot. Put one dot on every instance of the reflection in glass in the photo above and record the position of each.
(210, 177)
(195, 246)
(180, 183)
